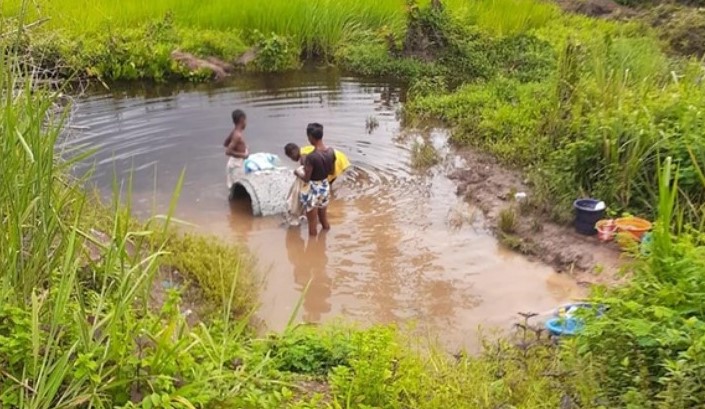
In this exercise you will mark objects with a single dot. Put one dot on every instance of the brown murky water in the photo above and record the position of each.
(403, 247)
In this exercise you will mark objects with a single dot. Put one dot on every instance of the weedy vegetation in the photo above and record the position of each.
(424, 155)
(584, 106)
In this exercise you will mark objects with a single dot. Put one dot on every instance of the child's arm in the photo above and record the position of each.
(308, 169)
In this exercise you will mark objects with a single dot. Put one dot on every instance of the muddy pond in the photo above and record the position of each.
(403, 248)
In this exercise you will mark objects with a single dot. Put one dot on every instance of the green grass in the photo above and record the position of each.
(315, 25)
(76, 279)
(133, 40)
(505, 17)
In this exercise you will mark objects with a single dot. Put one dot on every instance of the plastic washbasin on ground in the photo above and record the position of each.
(587, 213)
(634, 226)
(564, 326)
(606, 229)
(565, 323)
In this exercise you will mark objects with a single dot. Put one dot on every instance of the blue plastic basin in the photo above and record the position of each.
(564, 326)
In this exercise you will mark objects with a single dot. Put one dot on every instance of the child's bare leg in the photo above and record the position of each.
(312, 217)
(323, 217)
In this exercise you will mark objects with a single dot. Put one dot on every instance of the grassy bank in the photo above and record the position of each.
(585, 107)
(134, 40)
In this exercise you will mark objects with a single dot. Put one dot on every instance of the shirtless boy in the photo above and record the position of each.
(235, 147)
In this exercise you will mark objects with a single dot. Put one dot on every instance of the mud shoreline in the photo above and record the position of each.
(489, 186)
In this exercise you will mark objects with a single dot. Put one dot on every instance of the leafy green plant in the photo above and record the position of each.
(310, 350)
(274, 53)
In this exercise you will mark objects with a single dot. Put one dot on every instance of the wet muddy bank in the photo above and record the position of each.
(485, 183)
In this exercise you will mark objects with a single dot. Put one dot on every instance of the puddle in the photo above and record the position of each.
(403, 247)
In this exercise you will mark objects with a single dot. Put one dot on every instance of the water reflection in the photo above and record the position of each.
(240, 217)
(309, 262)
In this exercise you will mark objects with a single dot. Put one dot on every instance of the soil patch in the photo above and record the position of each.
(306, 390)
(219, 69)
(683, 28)
(597, 8)
(491, 187)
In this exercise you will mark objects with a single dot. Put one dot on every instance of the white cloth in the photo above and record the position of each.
(234, 170)
(261, 161)
(293, 201)
(237, 168)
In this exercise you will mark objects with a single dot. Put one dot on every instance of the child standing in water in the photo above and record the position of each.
(318, 166)
(236, 148)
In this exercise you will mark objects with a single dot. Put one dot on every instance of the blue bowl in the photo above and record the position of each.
(564, 326)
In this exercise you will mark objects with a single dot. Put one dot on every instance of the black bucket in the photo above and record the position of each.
(587, 215)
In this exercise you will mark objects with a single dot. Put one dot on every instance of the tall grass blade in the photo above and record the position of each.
(297, 308)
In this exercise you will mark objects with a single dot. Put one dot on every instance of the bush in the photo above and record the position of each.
(649, 345)
(311, 350)
(274, 53)
(373, 59)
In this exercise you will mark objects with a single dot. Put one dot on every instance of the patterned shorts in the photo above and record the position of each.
(316, 195)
